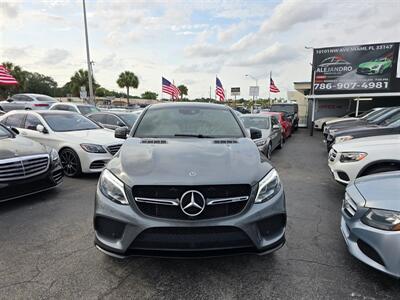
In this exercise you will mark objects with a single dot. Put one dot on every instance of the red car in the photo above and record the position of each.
(285, 122)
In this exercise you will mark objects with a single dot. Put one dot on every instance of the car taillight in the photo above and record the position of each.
(40, 104)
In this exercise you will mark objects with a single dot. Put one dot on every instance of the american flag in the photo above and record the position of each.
(170, 89)
(219, 90)
(6, 78)
(272, 87)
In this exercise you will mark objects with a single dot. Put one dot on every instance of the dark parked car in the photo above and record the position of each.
(189, 181)
(391, 125)
(26, 167)
(291, 110)
(375, 117)
(113, 120)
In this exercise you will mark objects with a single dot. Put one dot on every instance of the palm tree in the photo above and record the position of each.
(19, 74)
(80, 78)
(183, 89)
(128, 79)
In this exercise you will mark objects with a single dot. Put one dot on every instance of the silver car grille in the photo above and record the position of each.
(349, 206)
(23, 167)
(114, 148)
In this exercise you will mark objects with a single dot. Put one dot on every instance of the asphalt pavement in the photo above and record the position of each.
(46, 248)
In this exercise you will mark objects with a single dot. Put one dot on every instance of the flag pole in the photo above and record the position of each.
(269, 91)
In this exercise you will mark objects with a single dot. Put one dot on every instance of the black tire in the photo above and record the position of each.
(380, 169)
(70, 162)
(268, 152)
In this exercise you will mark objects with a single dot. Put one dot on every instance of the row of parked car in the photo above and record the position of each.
(364, 154)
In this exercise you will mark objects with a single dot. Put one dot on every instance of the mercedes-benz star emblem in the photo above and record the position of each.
(192, 203)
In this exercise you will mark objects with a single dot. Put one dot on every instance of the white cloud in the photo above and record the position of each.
(227, 34)
(9, 10)
(16, 52)
(292, 12)
(55, 56)
(204, 50)
(273, 55)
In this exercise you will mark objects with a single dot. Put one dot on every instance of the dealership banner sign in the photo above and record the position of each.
(356, 69)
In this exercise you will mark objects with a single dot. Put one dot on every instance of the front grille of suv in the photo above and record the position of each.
(23, 167)
(223, 209)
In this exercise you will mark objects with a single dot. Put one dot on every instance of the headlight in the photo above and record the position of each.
(93, 148)
(352, 156)
(112, 187)
(54, 155)
(382, 219)
(260, 142)
(268, 187)
(344, 138)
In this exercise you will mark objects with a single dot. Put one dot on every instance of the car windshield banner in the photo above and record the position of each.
(356, 69)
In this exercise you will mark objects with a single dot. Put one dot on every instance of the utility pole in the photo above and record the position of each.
(90, 73)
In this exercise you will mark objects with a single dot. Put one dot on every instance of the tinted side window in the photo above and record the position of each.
(274, 120)
(31, 122)
(112, 120)
(15, 120)
(99, 118)
(26, 98)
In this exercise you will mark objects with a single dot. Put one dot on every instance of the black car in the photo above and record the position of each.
(375, 116)
(390, 125)
(113, 120)
(26, 167)
(291, 110)
(189, 181)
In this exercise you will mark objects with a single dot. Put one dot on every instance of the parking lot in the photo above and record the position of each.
(47, 251)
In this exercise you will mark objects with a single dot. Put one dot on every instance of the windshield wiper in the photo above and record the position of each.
(200, 136)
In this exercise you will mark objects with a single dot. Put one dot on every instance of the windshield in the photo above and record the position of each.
(377, 116)
(45, 99)
(369, 113)
(69, 122)
(286, 108)
(129, 118)
(87, 109)
(188, 121)
(393, 121)
(4, 133)
(257, 122)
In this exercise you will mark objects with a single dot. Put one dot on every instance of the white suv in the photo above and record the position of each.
(364, 156)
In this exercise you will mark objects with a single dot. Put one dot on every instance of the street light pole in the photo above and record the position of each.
(90, 73)
(312, 93)
(256, 80)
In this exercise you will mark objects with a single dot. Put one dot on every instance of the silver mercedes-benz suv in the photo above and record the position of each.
(189, 181)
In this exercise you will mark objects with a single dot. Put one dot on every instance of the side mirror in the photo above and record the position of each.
(15, 130)
(40, 128)
(276, 127)
(255, 133)
(121, 132)
(10, 100)
(120, 124)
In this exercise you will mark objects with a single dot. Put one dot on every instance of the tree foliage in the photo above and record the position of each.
(126, 80)
(149, 95)
(81, 78)
(183, 89)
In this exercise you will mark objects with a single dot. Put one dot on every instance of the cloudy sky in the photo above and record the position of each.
(189, 41)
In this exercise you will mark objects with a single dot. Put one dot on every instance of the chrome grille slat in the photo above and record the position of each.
(23, 167)
(112, 149)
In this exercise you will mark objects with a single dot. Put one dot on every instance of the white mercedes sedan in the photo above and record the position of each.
(83, 145)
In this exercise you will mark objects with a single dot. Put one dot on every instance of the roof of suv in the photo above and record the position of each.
(188, 104)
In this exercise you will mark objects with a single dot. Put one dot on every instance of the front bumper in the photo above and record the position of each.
(343, 173)
(123, 230)
(93, 162)
(377, 248)
(24, 187)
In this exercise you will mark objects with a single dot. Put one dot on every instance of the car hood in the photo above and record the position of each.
(380, 191)
(384, 141)
(189, 162)
(364, 131)
(370, 64)
(334, 121)
(97, 136)
(347, 124)
(19, 146)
